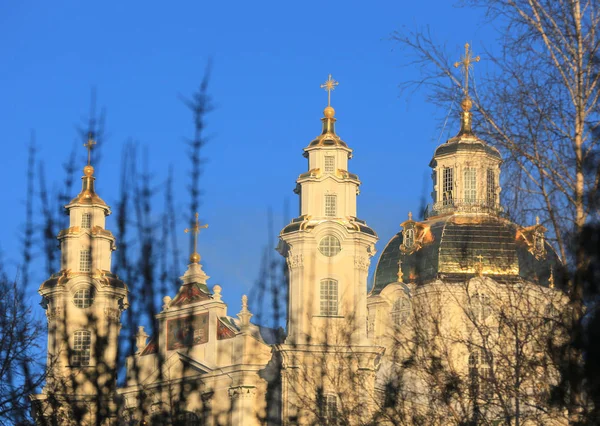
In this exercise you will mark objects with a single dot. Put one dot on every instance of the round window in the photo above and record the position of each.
(83, 298)
(330, 246)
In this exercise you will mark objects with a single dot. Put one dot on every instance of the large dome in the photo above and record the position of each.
(455, 247)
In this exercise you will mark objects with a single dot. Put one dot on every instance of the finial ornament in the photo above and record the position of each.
(409, 215)
(399, 274)
(467, 62)
(89, 145)
(89, 169)
(195, 257)
(329, 85)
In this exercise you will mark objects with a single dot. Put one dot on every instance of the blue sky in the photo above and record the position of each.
(269, 59)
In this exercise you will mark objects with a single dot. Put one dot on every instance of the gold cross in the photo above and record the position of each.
(196, 230)
(89, 144)
(467, 62)
(329, 85)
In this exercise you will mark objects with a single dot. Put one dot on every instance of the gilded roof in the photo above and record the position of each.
(456, 247)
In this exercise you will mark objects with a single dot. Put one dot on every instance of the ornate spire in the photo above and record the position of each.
(195, 230)
(244, 315)
(88, 194)
(466, 63)
(328, 133)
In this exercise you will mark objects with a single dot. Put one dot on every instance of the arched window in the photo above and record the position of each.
(85, 261)
(86, 220)
(481, 307)
(409, 238)
(329, 297)
(330, 205)
(400, 310)
(480, 374)
(470, 185)
(82, 344)
(83, 298)
(491, 187)
(330, 408)
(329, 246)
(448, 185)
(329, 164)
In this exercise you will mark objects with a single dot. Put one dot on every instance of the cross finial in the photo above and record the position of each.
(195, 257)
(467, 62)
(89, 144)
(329, 85)
(409, 215)
(399, 274)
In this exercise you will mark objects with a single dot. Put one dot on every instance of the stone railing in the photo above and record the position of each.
(463, 206)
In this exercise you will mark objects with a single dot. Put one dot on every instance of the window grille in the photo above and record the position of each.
(330, 205)
(448, 185)
(329, 246)
(491, 187)
(83, 298)
(85, 261)
(86, 220)
(400, 311)
(331, 409)
(329, 297)
(480, 374)
(82, 343)
(470, 184)
(409, 238)
(329, 164)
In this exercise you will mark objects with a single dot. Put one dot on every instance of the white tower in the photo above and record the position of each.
(328, 251)
(83, 305)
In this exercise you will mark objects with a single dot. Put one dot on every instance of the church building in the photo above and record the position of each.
(445, 276)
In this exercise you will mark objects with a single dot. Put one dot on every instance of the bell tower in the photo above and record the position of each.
(83, 304)
(328, 250)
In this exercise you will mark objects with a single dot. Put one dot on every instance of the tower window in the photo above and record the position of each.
(330, 205)
(85, 261)
(84, 298)
(86, 220)
(331, 408)
(409, 238)
(470, 185)
(400, 310)
(491, 187)
(448, 185)
(329, 297)
(82, 343)
(329, 246)
(480, 374)
(329, 164)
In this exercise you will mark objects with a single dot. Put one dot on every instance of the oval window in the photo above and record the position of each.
(83, 298)
(329, 246)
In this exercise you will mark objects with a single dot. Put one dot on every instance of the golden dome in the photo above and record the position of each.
(329, 112)
(88, 170)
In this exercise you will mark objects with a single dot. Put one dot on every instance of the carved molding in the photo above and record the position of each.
(362, 263)
(54, 313)
(295, 260)
(242, 392)
(112, 314)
